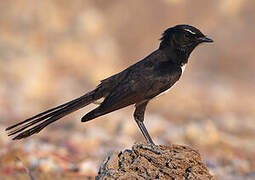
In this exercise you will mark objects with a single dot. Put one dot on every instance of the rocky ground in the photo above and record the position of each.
(146, 161)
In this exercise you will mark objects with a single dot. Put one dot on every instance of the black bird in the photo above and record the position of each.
(137, 84)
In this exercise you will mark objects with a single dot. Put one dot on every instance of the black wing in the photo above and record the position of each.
(142, 82)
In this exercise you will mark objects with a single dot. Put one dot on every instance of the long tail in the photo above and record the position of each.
(45, 118)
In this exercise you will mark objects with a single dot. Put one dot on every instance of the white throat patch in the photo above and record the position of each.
(190, 31)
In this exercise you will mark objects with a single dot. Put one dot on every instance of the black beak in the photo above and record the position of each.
(205, 39)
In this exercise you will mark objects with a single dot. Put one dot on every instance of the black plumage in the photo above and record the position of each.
(137, 84)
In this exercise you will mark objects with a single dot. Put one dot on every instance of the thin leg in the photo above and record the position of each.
(139, 117)
(145, 132)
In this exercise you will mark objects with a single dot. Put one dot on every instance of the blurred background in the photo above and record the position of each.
(52, 51)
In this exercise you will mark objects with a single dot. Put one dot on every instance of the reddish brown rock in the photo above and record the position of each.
(145, 161)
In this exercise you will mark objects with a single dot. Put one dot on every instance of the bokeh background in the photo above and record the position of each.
(52, 51)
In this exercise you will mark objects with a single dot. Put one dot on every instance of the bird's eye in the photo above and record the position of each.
(186, 35)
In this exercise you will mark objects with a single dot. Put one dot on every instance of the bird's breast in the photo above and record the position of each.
(164, 92)
(183, 67)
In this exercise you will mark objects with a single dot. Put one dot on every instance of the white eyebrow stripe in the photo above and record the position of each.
(190, 31)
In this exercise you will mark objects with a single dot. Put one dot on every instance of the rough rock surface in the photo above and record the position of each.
(145, 161)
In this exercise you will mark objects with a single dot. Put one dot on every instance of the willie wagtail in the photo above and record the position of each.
(137, 84)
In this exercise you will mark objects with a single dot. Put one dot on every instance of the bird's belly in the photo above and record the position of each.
(164, 92)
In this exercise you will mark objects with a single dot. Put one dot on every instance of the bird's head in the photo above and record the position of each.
(183, 37)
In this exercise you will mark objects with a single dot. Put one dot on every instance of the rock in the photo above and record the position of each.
(145, 161)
